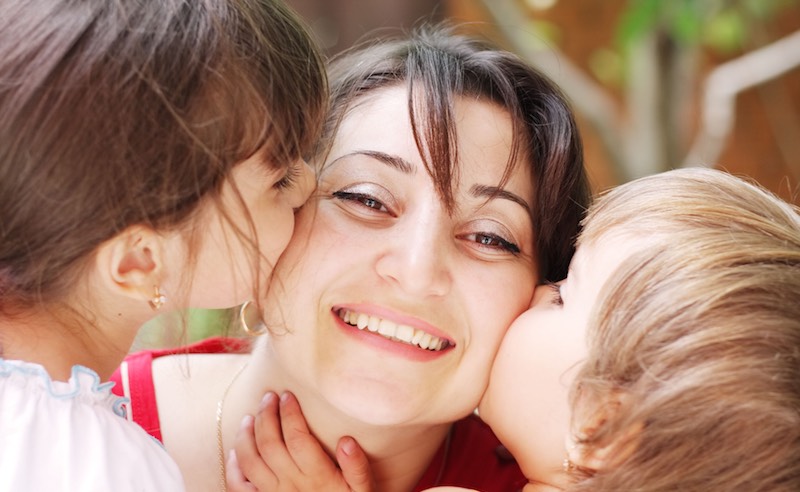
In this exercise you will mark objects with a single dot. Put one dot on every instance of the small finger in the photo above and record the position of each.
(234, 477)
(303, 446)
(270, 441)
(249, 461)
(354, 465)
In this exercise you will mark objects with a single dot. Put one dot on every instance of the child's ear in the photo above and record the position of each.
(598, 455)
(132, 263)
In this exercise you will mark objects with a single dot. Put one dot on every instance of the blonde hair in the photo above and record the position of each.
(700, 332)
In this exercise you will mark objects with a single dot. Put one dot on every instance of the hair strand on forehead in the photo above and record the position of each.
(437, 65)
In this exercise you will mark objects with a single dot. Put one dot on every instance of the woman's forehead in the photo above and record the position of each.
(480, 152)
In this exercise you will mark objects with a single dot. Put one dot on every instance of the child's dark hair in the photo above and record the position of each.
(118, 113)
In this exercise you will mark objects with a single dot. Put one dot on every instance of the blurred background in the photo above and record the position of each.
(656, 84)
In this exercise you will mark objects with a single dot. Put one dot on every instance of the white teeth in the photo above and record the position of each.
(387, 328)
(426, 341)
(391, 330)
(404, 333)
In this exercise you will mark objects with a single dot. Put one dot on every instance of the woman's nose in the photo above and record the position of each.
(416, 257)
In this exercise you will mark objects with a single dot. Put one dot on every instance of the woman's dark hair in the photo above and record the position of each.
(437, 65)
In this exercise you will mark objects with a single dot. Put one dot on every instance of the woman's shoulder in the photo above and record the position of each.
(162, 367)
(191, 377)
(196, 367)
(157, 381)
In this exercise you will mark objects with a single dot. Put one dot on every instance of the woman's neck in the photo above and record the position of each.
(399, 455)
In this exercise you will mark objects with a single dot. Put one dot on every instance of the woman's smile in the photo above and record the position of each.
(414, 334)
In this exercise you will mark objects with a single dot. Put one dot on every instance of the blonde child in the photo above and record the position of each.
(677, 337)
(149, 160)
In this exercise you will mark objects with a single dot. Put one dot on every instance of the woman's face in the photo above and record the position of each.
(223, 275)
(394, 307)
(526, 402)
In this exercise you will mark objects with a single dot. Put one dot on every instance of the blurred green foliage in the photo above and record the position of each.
(721, 25)
(182, 327)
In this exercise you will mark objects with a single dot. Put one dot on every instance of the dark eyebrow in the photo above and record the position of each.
(489, 192)
(394, 161)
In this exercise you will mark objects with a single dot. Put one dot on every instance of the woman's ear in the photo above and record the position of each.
(132, 264)
(596, 455)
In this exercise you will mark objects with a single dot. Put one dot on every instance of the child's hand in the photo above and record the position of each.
(276, 452)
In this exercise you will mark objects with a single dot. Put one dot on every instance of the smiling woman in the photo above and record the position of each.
(451, 182)
(381, 243)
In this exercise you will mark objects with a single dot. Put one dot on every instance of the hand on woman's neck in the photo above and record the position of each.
(399, 455)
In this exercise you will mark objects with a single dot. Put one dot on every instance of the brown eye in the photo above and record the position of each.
(493, 241)
(365, 200)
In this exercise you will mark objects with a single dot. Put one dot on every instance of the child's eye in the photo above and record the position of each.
(556, 300)
(289, 179)
(364, 199)
(493, 241)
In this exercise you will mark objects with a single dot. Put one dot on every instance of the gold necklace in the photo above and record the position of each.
(220, 407)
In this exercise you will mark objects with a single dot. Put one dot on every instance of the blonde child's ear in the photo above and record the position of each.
(132, 264)
(596, 455)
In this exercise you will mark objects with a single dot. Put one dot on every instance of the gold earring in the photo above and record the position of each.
(158, 299)
(250, 320)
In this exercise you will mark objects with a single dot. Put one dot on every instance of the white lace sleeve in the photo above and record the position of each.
(72, 436)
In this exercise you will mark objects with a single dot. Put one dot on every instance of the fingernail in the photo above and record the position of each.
(267, 400)
(247, 421)
(348, 446)
(284, 397)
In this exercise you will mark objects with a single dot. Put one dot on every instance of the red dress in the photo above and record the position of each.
(473, 459)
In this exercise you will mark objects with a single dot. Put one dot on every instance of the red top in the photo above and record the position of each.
(474, 459)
